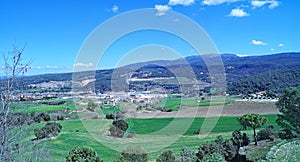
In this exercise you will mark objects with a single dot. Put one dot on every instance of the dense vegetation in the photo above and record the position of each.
(275, 80)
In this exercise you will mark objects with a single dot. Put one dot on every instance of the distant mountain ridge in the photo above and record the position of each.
(239, 71)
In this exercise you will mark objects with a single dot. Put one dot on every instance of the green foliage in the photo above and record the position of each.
(166, 156)
(60, 117)
(118, 128)
(133, 154)
(214, 157)
(240, 139)
(267, 133)
(253, 121)
(285, 151)
(224, 147)
(39, 117)
(187, 155)
(289, 106)
(272, 80)
(49, 130)
(82, 154)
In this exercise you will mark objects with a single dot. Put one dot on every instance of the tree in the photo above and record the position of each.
(289, 106)
(133, 153)
(118, 128)
(49, 130)
(214, 157)
(253, 121)
(166, 156)
(13, 67)
(81, 154)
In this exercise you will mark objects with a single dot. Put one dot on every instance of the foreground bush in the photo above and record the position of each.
(133, 154)
(268, 133)
(166, 156)
(49, 130)
(83, 154)
(225, 147)
(186, 155)
(215, 157)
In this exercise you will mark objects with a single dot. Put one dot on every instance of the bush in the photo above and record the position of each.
(214, 157)
(224, 147)
(83, 153)
(118, 128)
(60, 117)
(166, 156)
(133, 154)
(267, 133)
(187, 155)
(49, 130)
(287, 134)
(40, 117)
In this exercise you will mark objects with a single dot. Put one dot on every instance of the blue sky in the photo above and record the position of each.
(55, 30)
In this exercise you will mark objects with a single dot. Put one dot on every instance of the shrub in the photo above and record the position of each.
(118, 128)
(49, 130)
(214, 157)
(166, 156)
(60, 117)
(224, 147)
(267, 133)
(83, 153)
(187, 155)
(110, 116)
(133, 154)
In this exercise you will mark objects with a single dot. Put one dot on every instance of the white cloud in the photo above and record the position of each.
(217, 2)
(181, 2)
(259, 3)
(45, 67)
(272, 49)
(242, 55)
(280, 45)
(162, 9)
(51, 67)
(115, 9)
(80, 64)
(237, 12)
(258, 43)
(176, 20)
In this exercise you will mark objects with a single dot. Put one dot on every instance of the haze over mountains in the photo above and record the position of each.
(273, 72)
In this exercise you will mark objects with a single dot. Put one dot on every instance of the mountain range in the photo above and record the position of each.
(273, 72)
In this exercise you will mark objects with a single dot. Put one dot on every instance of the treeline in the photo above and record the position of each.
(275, 81)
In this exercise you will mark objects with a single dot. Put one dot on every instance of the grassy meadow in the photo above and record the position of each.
(92, 132)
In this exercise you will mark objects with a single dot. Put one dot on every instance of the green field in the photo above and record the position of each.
(90, 132)
(174, 103)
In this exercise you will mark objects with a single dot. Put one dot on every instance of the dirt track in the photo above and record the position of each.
(236, 109)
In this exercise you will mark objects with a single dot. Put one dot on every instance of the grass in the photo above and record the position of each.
(92, 133)
(38, 107)
(174, 103)
(224, 124)
(109, 110)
